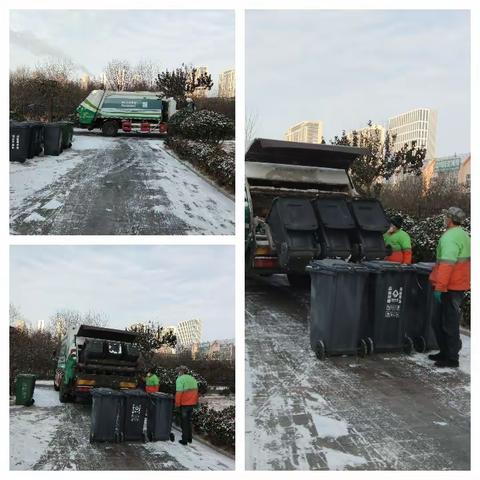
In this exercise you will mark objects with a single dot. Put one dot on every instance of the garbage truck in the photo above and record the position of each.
(96, 357)
(112, 111)
(301, 205)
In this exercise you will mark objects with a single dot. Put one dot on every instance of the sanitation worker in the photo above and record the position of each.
(450, 279)
(399, 241)
(152, 382)
(186, 397)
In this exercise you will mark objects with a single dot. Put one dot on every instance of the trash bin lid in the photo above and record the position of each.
(134, 393)
(423, 267)
(334, 265)
(26, 375)
(106, 392)
(296, 213)
(370, 215)
(161, 395)
(334, 213)
(383, 265)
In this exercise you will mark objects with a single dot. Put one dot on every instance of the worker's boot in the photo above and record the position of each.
(436, 356)
(183, 442)
(447, 364)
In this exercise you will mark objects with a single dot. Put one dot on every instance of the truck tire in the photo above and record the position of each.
(55, 387)
(110, 128)
(63, 394)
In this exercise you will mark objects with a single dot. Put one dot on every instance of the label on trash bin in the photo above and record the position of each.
(394, 302)
(135, 412)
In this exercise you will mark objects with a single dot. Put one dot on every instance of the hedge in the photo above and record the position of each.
(218, 426)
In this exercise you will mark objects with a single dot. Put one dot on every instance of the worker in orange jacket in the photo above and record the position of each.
(186, 397)
(450, 279)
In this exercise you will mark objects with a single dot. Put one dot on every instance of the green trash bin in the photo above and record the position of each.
(24, 388)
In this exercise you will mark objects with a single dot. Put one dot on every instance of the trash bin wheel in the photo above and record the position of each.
(420, 344)
(320, 350)
(172, 437)
(370, 346)
(408, 345)
(92, 438)
(150, 437)
(362, 349)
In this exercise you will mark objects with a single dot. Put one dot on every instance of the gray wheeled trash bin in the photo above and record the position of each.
(136, 403)
(19, 141)
(338, 324)
(424, 309)
(389, 309)
(53, 139)
(160, 416)
(107, 420)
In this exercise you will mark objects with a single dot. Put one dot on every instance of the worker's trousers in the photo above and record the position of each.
(446, 324)
(186, 413)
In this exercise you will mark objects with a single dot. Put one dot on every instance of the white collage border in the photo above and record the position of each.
(239, 6)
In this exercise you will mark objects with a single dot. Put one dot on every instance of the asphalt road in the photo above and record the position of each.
(385, 412)
(115, 186)
(55, 436)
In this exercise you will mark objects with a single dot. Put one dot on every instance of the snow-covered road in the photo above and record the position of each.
(385, 412)
(113, 186)
(55, 436)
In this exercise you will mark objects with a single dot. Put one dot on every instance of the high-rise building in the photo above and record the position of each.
(419, 126)
(226, 84)
(307, 132)
(200, 92)
(369, 133)
(85, 81)
(189, 332)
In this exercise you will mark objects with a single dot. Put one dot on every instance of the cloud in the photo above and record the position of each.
(38, 47)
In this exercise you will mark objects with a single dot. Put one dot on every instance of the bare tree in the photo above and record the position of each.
(144, 76)
(64, 320)
(119, 75)
(15, 315)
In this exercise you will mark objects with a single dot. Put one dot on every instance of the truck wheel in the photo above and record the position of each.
(370, 345)
(55, 387)
(420, 344)
(110, 128)
(63, 395)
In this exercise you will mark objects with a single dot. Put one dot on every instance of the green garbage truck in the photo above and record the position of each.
(93, 357)
(112, 111)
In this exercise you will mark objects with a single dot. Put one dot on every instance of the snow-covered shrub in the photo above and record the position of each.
(168, 376)
(217, 425)
(210, 158)
(203, 125)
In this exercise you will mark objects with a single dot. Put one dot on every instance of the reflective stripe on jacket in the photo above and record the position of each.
(401, 246)
(452, 270)
(186, 391)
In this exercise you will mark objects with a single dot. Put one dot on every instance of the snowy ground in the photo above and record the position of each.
(55, 436)
(385, 412)
(109, 186)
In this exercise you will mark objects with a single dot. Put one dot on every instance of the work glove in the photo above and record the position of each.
(437, 296)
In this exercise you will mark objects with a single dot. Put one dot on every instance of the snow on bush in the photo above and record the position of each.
(168, 377)
(425, 234)
(203, 125)
(208, 157)
(217, 425)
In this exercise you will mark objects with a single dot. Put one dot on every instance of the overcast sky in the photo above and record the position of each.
(129, 284)
(91, 38)
(348, 67)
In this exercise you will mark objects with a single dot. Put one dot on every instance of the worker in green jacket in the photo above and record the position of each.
(152, 382)
(186, 397)
(399, 241)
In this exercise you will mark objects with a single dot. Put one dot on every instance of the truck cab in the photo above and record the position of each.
(92, 357)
